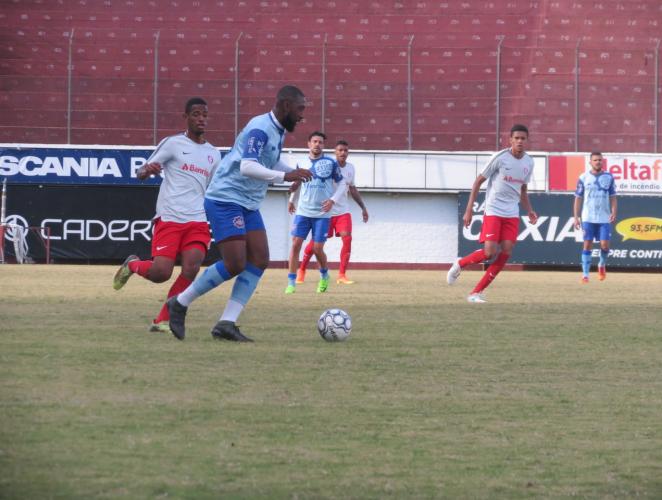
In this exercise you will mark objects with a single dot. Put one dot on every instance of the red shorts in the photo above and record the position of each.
(497, 228)
(340, 224)
(172, 238)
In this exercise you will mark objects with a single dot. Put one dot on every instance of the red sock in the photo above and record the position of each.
(140, 267)
(345, 253)
(473, 258)
(177, 287)
(491, 272)
(307, 255)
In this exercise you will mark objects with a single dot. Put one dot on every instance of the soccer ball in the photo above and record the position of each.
(334, 325)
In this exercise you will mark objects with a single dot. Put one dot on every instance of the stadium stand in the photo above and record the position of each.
(366, 48)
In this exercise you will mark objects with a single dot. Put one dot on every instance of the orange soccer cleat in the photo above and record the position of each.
(301, 276)
(344, 280)
(602, 273)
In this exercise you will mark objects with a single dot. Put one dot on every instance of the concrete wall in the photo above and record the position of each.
(414, 228)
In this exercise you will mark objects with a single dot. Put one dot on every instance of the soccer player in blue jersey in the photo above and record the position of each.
(597, 189)
(313, 212)
(232, 203)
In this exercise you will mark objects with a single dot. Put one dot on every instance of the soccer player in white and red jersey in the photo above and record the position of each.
(188, 162)
(508, 172)
(341, 218)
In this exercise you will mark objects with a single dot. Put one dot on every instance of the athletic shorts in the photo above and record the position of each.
(596, 231)
(340, 224)
(303, 225)
(497, 228)
(172, 238)
(230, 221)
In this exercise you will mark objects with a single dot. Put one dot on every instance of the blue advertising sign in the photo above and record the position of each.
(78, 166)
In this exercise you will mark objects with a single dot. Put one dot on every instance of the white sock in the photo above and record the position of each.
(187, 296)
(232, 311)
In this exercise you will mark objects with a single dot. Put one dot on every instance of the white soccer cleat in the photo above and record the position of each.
(454, 272)
(476, 298)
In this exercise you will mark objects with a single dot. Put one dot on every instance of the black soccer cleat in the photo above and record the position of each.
(227, 330)
(177, 317)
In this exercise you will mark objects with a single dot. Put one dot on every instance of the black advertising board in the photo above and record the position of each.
(636, 237)
(86, 222)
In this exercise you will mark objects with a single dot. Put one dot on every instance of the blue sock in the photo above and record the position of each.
(211, 278)
(324, 273)
(291, 279)
(245, 283)
(586, 262)
(603, 257)
(208, 280)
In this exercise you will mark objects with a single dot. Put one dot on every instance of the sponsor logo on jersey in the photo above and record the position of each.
(323, 168)
(195, 170)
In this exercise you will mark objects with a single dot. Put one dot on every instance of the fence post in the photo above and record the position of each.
(498, 93)
(70, 68)
(155, 109)
(326, 35)
(410, 138)
(579, 41)
(656, 98)
(236, 84)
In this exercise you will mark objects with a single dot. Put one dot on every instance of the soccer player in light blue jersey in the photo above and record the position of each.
(597, 189)
(313, 212)
(232, 203)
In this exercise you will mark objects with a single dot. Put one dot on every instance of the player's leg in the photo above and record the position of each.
(320, 231)
(229, 230)
(507, 235)
(605, 238)
(257, 254)
(587, 249)
(307, 255)
(344, 230)
(293, 264)
(488, 231)
(301, 226)
(194, 249)
(165, 243)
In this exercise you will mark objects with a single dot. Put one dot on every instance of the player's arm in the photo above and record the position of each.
(154, 164)
(466, 218)
(341, 188)
(526, 204)
(293, 200)
(614, 205)
(252, 167)
(356, 196)
(577, 205)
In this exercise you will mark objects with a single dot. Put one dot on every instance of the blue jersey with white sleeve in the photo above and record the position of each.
(596, 191)
(260, 140)
(320, 188)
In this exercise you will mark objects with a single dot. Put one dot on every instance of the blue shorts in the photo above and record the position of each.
(302, 225)
(596, 230)
(231, 221)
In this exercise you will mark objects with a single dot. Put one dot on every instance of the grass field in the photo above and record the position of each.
(551, 390)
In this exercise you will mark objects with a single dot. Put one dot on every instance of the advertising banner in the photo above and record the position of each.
(48, 165)
(639, 174)
(86, 223)
(636, 237)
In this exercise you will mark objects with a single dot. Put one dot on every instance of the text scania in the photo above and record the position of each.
(66, 166)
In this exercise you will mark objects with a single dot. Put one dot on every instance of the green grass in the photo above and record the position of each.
(550, 390)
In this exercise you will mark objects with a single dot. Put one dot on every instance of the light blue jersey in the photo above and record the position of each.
(320, 188)
(596, 191)
(261, 140)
